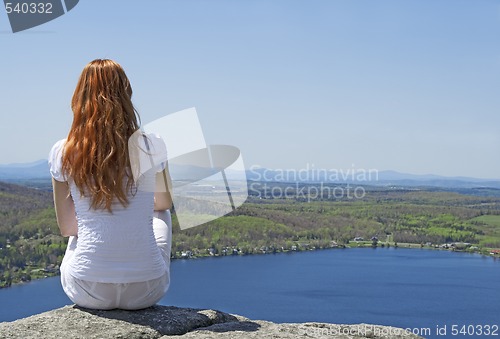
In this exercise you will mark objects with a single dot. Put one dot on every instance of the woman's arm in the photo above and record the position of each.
(65, 209)
(163, 197)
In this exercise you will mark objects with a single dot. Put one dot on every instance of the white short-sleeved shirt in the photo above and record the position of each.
(117, 247)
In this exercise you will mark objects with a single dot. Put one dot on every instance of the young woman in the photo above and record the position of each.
(118, 253)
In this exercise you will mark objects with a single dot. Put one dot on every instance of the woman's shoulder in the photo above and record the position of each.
(147, 148)
(58, 145)
(55, 160)
(153, 140)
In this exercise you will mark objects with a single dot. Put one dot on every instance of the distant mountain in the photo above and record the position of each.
(34, 170)
(362, 177)
(40, 170)
(405, 179)
(393, 175)
(24, 165)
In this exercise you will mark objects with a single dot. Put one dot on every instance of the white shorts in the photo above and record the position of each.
(128, 296)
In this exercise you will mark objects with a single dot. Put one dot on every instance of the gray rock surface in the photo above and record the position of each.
(164, 321)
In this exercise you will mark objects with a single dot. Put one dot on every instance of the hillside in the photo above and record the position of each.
(19, 203)
(265, 224)
(31, 247)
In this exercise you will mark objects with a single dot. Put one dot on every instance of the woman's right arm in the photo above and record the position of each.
(65, 209)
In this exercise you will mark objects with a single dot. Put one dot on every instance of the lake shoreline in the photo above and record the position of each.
(360, 244)
(363, 244)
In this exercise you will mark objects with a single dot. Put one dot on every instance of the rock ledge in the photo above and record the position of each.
(164, 321)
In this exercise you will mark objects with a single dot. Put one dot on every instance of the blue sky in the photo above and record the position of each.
(411, 86)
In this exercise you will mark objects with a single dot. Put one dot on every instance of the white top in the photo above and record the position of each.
(117, 247)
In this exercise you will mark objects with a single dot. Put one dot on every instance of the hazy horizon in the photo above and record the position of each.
(341, 171)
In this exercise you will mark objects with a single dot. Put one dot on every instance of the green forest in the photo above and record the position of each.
(31, 247)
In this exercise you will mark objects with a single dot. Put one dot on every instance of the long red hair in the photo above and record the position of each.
(96, 153)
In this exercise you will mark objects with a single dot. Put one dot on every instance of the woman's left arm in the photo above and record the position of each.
(163, 196)
(65, 209)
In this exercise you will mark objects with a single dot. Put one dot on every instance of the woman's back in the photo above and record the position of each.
(117, 246)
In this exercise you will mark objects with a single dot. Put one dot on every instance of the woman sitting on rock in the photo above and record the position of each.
(118, 253)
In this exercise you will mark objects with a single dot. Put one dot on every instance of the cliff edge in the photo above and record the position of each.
(165, 321)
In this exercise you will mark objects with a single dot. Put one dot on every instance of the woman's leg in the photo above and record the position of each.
(66, 279)
(162, 228)
(85, 293)
(135, 296)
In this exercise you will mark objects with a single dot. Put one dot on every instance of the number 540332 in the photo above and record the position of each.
(473, 330)
(29, 8)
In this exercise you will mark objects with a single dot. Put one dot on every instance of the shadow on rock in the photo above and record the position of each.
(170, 320)
(242, 326)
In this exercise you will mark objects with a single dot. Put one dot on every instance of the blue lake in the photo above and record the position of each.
(400, 287)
